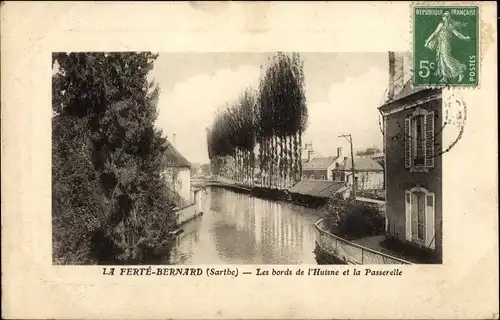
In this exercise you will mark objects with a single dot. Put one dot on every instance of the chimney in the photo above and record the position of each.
(173, 139)
(339, 152)
(399, 72)
(392, 73)
(309, 154)
(407, 67)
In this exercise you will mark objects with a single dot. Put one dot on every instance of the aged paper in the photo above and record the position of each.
(234, 264)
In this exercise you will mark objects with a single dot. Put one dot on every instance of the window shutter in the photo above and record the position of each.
(408, 214)
(429, 140)
(430, 231)
(407, 140)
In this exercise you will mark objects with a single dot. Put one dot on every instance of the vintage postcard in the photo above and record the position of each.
(228, 160)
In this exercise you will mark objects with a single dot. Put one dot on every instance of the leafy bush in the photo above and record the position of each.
(352, 219)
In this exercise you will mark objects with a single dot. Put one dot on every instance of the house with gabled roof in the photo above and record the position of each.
(177, 174)
(176, 171)
(368, 173)
(321, 168)
(413, 173)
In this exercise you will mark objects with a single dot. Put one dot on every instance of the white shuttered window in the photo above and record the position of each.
(420, 217)
(430, 230)
(408, 215)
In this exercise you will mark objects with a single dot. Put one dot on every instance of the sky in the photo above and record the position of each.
(343, 92)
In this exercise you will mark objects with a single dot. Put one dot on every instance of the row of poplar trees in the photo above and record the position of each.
(263, 128)
(109, 201)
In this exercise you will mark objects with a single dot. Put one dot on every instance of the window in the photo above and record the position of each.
(420, 217)
(419, 140)
(418, 153)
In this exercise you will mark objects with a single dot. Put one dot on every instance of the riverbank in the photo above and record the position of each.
(315, 197)
(256, 191)
(270, 194)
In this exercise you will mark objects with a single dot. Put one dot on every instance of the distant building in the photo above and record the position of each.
(195, 170)
(316, 192)
(321, 168)
(368, 174)
(377, 156)
(177, 173)
(309, 153)
(413, 173)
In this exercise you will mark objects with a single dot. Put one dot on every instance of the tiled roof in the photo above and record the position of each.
(319, 163)
(362, 164)
(173, 158)
(318, 188)
(408, 90)
(314, 154)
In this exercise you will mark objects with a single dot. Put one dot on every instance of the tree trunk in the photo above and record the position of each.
(290, 160)
(282, 174)
(300, 153)
(277, 172)
(265, 163)
(262, 162)
(269, 162)
(252, 167)
(270, 173)
(275, 162)
(245, 176)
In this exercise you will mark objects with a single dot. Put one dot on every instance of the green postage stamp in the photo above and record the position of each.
(445, 45)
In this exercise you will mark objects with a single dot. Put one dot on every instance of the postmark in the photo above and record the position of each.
(446, 45)
(449, 125)
(454, 121)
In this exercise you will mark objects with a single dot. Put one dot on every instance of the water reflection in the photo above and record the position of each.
(239, 229)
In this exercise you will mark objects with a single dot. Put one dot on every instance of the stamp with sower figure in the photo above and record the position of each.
(445, 46)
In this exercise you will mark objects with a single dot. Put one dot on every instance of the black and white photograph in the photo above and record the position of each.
(249, 159)
(246, 158)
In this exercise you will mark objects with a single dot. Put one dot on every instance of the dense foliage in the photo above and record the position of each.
(110, 203)
(270, 120)
(205, 169)
(368, 151)
(231, 140)
(351, 219)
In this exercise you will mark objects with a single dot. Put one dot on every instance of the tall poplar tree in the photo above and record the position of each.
(110, 203)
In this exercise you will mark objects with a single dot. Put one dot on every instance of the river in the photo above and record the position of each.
(240, 229)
